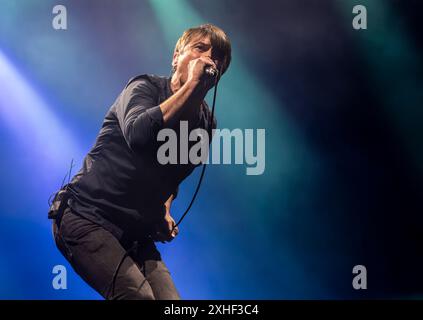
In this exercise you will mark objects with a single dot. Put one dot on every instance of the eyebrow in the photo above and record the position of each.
(202, 43)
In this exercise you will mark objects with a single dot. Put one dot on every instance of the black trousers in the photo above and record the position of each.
(95, 253)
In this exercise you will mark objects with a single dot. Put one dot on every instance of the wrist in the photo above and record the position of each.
(191, 84)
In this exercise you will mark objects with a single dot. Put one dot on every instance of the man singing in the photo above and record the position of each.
(108, 217)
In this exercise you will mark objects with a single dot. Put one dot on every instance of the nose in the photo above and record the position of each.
(209, 54)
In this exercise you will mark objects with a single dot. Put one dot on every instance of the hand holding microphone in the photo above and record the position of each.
(201, 69)
(210, 71)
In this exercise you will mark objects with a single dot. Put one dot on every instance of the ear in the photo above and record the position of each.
(175, 59)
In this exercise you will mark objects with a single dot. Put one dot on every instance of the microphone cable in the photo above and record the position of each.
(203, 170)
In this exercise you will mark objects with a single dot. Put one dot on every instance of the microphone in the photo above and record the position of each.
(210, 71)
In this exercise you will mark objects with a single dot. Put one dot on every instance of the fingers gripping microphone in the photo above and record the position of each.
(210, 71)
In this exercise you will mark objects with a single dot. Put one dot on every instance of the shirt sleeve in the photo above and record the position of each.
(140, 119)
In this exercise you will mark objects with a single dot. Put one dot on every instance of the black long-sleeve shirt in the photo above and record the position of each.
(121, 185)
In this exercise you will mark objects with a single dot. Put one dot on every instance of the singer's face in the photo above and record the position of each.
(196, 48)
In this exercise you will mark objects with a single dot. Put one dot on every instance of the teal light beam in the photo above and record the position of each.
(394, 69)
(244, 102)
